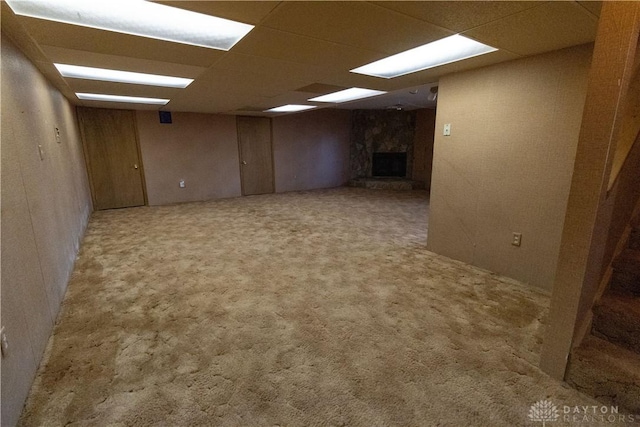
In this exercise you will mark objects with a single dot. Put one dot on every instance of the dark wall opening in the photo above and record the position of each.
(389, 165)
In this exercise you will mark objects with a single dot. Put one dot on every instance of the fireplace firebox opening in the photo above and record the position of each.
(389, 165)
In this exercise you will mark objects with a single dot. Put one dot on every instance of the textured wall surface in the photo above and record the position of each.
(380, 131)
(45, 207)
(311, 150)
(201, 149)
(508, 163)
(423, 146)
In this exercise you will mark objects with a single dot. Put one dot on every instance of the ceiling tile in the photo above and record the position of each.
(551, 26)
(346, 79)
(310, 44)
(458, 16)
(269, 67)
(250, 109)
(242, 83)
(320, 88)
(359, 24)
(292, 97)
(91, 59)
(201, 102)
(249, 12)
(112, 43)
(270, 43)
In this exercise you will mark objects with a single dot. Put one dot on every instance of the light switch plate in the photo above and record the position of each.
(517, 239)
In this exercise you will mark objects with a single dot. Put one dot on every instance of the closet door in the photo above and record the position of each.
(256, 157)
(113, 159)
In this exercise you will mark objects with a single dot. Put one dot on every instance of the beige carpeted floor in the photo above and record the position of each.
(297, 309)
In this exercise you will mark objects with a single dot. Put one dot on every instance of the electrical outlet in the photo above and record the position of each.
(182, 184)
(517, 239)
(447, 129)
(4, 343)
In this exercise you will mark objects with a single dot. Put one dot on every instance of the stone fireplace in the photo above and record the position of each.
(384, 137)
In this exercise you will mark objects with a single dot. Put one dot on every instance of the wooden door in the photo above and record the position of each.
(256, 157)
(113, 159)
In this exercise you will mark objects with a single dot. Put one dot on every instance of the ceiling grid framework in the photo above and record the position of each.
(301, 44)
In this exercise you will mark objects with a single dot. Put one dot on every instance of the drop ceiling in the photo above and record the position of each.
(299, 50)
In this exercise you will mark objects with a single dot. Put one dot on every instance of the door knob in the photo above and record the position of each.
(135, 166)
(244, 163)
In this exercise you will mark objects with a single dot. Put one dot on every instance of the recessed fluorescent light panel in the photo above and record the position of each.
(290, 108)
(90, 73)
(347, 95)
(120, 98)
(139, 18)
(440, 52)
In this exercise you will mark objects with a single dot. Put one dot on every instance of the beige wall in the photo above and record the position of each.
(423, 146)
(311, 150)
(202, 149)
(507, 165)
(45, 208)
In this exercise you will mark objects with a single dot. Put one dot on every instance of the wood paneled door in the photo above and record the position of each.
(256, 156)
(113, 157)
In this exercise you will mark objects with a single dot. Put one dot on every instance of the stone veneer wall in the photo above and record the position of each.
(383, 131)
